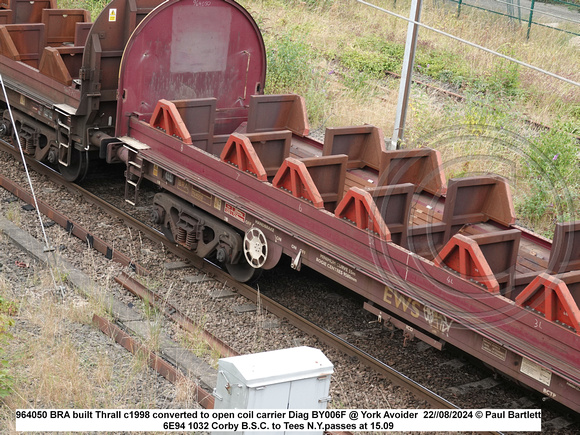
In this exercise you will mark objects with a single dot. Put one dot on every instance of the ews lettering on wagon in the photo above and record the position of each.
(402, 302)
(439, 323)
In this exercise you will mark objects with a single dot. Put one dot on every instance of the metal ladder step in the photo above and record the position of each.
(133, 176)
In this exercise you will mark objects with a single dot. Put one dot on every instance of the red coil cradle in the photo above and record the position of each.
(551, 296)
(359, 207)
(464, 256)
(294, 177)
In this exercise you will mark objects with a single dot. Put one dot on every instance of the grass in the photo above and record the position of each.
(47, 356)
(338, 53)
(553, 181)
(331, 33)
(8, 309)
(93, 6)
(46, 365)
(14, 213)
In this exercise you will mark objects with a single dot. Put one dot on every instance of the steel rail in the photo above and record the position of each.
(169, 372)
(170, 311)
(72, 227)
(338, 343)
(255, 296)
(309, 328)
(153, 234)
(296, 320)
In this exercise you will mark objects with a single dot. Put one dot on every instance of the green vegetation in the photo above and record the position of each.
(7, 310)
(554, 181)
(292, 69)
(338, 55)
(93, 6)
(373, 56)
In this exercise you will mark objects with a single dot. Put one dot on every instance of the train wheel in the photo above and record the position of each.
(242, 271)
(255, 247)
(78, 168)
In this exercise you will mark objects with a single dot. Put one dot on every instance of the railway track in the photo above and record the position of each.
(445, 261)
(459, 97)
(247, 291)
(250, 293)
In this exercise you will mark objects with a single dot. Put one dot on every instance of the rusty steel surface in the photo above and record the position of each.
(304, 325)
(182, 52)
(152, 234)
(178, 80)
(436, 299)
(301, 323)
(81, 233)
(336, 342)
(158, 364)
(105, 44)
(325, 336)
(26, 11)
(267, 303)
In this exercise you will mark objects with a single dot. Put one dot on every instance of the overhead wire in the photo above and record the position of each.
(32, 191)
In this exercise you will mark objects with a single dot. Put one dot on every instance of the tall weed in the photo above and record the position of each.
(7, 310)
(554, 182)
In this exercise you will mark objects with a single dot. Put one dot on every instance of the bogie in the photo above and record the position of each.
(243, 184)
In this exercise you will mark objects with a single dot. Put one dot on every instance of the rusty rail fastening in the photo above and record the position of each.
(73, 228)
(271, 306)
(173, 313)
(165, 369)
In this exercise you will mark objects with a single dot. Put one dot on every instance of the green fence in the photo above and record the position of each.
(530, 11)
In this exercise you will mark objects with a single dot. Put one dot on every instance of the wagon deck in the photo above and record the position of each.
(445, 257)
(243, 182)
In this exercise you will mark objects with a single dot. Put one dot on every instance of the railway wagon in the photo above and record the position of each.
(243, 183)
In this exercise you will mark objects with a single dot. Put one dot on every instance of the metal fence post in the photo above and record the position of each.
(406, 73)
(530, 20)
(459, 8)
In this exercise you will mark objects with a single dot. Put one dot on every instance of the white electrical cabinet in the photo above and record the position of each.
(297, 378)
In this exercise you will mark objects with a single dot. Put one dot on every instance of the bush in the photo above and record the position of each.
(554, 180)
(373, 56)
(288, 69)
(292, 68)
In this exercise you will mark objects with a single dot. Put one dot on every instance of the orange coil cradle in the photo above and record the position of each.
(464, 256)
(359, 207)
(167, 118)
(551, 296)
(240, 152)
(293, 176)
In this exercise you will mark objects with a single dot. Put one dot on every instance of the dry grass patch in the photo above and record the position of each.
(58, 359)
